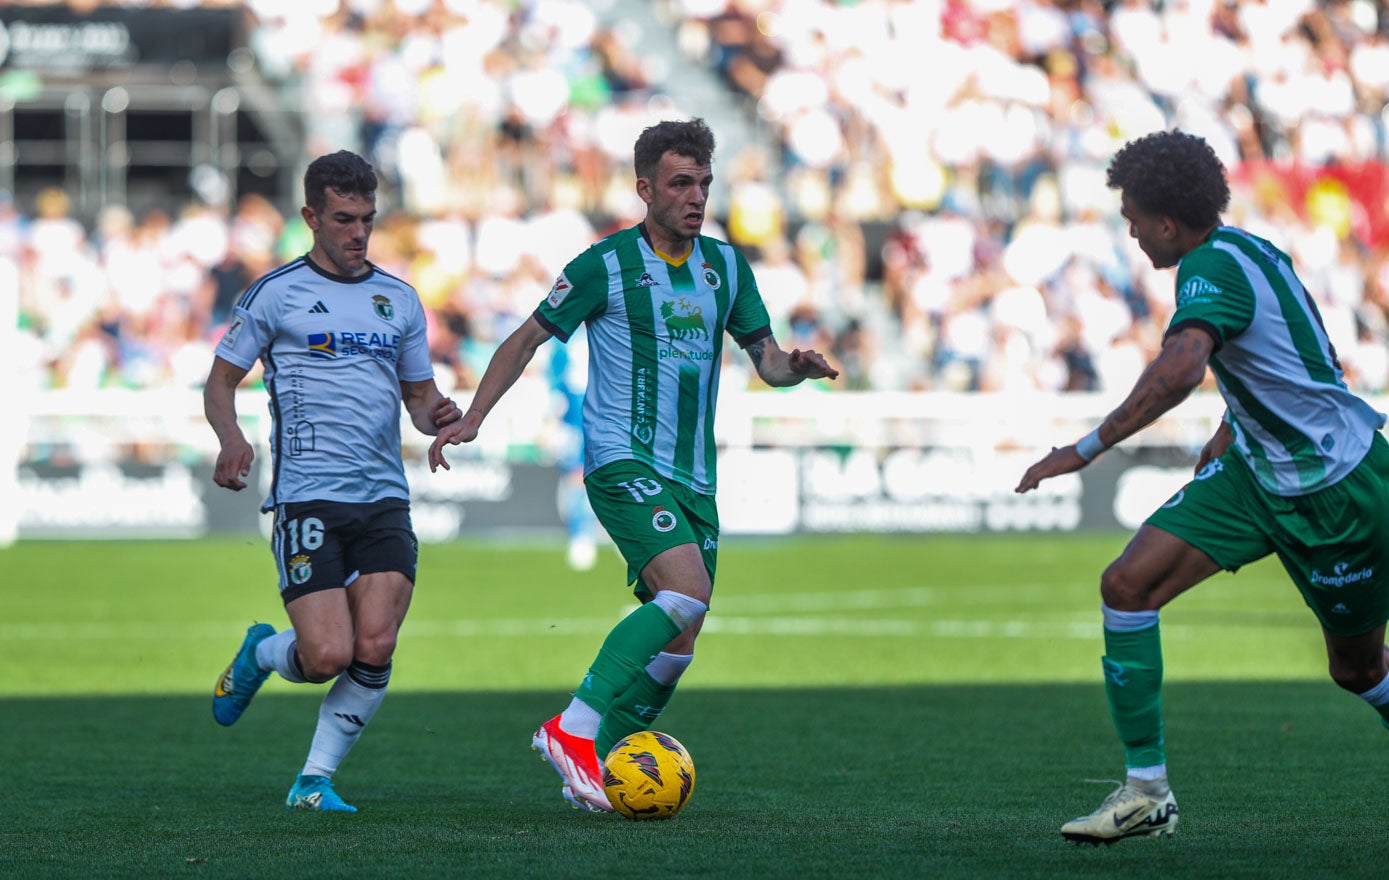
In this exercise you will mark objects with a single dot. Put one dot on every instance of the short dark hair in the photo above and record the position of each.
(1173, 174)
(692, 139)
(344, 172)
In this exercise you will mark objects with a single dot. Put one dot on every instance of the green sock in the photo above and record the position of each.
(636, 708)
(1133, 681)
(628, 648)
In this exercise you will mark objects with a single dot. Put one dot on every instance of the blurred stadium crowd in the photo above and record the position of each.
(924, 199)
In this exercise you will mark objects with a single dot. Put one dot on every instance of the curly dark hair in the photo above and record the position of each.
(344, 172)
(1172, 174)
(692, 139)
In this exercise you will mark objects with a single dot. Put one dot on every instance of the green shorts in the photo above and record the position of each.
(646, 514)
(1334, 543)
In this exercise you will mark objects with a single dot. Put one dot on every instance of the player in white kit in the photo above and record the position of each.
(343, 346)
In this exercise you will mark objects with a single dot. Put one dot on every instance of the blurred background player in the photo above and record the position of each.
(343, 346)
(1297, 467)
(656, 299)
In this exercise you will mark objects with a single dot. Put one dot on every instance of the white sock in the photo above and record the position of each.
(351, 702)
(277, 653)
(1148, 774)
(667, 668)
(1379, 694)
(1127, 621)
(1153, 779)
(580, 719)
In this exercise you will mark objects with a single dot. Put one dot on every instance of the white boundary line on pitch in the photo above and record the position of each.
(777, 625)
(795, 614)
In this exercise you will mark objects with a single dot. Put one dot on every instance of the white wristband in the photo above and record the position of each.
(1090, 445)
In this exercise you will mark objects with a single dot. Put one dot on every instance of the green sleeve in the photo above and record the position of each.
(747, 318)
(1213, 291)
(578, 294)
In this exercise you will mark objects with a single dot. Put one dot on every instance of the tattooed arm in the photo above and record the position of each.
(1173, 374)
(779, 368)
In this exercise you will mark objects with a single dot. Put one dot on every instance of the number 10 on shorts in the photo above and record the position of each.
(642, 488)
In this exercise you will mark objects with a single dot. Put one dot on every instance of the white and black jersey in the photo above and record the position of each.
(335, 350)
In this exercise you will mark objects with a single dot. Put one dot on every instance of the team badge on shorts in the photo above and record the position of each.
(662, 520)
(1212, 468)
(300, 569)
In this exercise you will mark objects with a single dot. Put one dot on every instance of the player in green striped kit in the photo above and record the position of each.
(1298, 466)
(656, 300)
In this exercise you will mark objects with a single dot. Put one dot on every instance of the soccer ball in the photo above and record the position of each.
(648, 775)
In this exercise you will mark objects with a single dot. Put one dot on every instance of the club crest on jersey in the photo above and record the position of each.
(646, 280)
(711, 277)
(323, 346)
(383, 307)
(559, 290)
(1197, 290)
(662, 520)
(300, 569)
(689, 325)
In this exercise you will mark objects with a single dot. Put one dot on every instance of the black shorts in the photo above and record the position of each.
(326, 545)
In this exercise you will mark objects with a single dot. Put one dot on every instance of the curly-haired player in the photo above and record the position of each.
(1297, 467)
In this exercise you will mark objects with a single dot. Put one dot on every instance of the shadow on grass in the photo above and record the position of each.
(1274, 780)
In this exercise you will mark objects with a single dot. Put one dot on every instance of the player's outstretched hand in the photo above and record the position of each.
(812, 365)
(1063, 460)
(460, 431)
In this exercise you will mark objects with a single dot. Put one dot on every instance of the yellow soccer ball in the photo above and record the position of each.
(648, 775)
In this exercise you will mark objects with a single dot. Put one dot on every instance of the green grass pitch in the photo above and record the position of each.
(876, 707)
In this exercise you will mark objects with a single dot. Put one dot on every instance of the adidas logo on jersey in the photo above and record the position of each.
(318, 308)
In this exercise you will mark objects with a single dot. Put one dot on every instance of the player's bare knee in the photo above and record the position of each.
(1121, 591)
(376, 650)
(324, 662)
(1355, 677)
(1351, 680)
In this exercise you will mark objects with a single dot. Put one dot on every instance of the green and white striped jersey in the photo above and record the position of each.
(655, 340)
(1295, 423)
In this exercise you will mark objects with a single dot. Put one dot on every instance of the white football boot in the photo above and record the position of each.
(1136, 808)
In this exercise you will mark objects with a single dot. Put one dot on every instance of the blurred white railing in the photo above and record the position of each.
(98, 425)
(119, 463)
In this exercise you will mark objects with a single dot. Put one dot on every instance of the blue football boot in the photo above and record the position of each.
(242, 678)
(316, 793)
